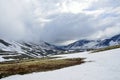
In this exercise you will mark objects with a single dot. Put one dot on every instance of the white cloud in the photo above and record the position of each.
(17, 20)
(75, 6)
(95, 13)
(59, 21)
(108, 32)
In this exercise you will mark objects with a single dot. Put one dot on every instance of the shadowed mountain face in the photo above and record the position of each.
(4, 42)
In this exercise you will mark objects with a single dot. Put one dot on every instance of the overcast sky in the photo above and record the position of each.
(59, 21)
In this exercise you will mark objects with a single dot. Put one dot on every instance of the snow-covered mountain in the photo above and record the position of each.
(93, 44)
(26, 49)
(82, 45)
(115, 40)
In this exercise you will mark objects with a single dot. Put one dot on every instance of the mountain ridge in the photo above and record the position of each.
(93, 44)
(40, 49)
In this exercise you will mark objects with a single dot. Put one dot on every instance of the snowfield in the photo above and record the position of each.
(102, 66)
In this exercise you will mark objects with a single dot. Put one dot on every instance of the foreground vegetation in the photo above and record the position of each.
(106, 48)
(36, 65)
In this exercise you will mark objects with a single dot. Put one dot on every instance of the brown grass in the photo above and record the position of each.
(106, 48)
(24, 67)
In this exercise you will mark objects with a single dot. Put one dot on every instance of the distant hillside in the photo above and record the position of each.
(93, 44)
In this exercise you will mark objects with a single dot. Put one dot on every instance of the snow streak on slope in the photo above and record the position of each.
(104, 66)
(1, 59)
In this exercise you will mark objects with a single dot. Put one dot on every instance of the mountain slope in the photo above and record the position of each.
(93, 44)
(81, 44)
(10, 49)
(115, 40)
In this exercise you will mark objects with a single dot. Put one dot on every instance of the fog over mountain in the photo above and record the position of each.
(59, 21)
